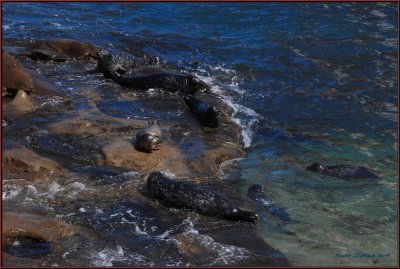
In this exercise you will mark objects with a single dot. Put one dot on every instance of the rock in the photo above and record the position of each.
(92, 121)
(23, 224)
(121, 153)
(22, 161)
(20, 104)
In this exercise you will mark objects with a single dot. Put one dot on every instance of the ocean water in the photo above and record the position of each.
(307, 81)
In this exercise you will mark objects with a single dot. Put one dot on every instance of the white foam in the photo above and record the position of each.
(227, 163)
(226, 254)
(53, 189)
(10, 192)
(245, 117)
(378, 13)
(169, 174)
(31, 190)
(107, 256)
(131, 174)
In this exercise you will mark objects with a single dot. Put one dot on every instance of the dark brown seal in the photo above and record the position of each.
(61, 50)
(342, 171)
(15, 77)
(208, 115)
(133, 73)
(200, 199)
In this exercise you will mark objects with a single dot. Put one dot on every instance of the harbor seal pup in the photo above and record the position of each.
(192, 196)
(256, 193)
(208, 115)
(148, 139)
(342, 171)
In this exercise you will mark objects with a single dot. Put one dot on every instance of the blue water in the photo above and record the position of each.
(308, 82)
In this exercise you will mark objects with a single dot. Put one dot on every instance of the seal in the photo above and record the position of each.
(192, 196)
(208, 115)
(256, 193)
(342, 171)
(138, 74)
(145, 78)
(61, 49)
(148, 139)
(114, 65)
(15, 77)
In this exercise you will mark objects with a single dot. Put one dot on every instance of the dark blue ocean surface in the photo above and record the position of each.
(307, 81)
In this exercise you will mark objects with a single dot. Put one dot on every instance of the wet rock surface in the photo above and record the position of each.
(69, 153)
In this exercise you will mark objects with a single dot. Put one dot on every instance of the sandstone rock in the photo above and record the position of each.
(20, 104)
(37, 226)
(23, 161)
(122, 153)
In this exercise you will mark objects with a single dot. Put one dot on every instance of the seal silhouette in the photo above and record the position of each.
(208, 115)
(256, 193)
(192, 196)
(342, 171)
(148, 139)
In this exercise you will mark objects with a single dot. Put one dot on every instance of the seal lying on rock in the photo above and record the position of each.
(154, 77)
(61, 50)
(208, 115)
(131, 73)
(189, 195)
(15, 76)
(114, 65)
(256, 193)
(342, 171)
(148, 139)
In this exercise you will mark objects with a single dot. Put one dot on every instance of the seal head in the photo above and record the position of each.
(149, 139)
(316, 167)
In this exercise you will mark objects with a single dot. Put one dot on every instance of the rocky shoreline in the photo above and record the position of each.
(51, 136)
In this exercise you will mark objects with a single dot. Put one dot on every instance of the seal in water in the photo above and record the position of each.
(342, 171)
(208, 115)
(189, 195)
(256, 193)
(148, 139)
(61, 49)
